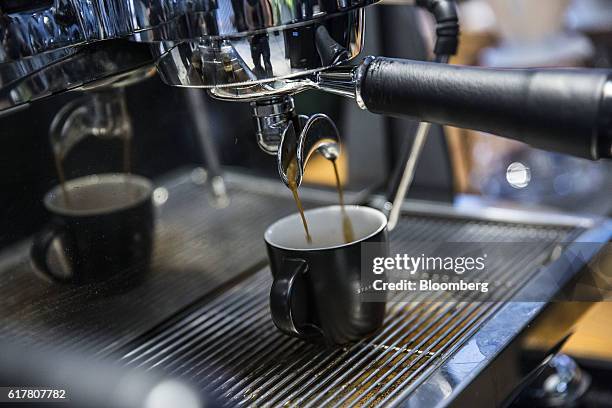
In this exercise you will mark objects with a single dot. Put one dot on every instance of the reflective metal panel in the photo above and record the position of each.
(251, 66)
(242, 48)
(33, 29)
(163, 20)
(117, 63)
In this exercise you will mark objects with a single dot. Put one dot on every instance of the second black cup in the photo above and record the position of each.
(102, 226)
(316, 293)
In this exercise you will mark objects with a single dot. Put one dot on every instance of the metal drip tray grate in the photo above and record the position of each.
(229, 346)
(195, 253)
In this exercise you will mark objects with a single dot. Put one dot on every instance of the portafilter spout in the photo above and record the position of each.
(293, 138)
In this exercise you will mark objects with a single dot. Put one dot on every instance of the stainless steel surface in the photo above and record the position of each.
(260, 65)
(117, 63)
(38, 27)
(229, 345)
(33, 29)
(83, 378)
(476, 373)
(344, 80)
(427, 353)
(44, 48)
(243, 49)
(162, 20)
(272, 117)
(473, 207)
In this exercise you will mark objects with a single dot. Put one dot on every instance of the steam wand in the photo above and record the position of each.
(447, 42)
(199, 114)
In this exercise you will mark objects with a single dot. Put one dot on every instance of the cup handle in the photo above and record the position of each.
(281, 296)
(40, 249)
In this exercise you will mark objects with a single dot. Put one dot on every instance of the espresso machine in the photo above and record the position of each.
(50, 47)
(203, 315)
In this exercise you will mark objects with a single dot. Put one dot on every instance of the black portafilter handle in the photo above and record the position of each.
(563, 110)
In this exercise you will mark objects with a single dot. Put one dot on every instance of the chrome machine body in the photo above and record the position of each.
(208, 44)
(247, 50)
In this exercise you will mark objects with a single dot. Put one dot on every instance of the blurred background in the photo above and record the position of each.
(547, 33)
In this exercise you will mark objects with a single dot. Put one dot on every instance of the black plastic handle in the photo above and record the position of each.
(39, 253)
(281, 299)
(564, 110)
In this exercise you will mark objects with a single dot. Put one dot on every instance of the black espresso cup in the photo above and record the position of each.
(103, 228)
(317, 289)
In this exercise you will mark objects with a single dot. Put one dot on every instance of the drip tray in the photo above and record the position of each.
(227, 344)
(198, 248)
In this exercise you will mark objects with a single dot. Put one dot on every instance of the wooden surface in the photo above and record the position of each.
(590, 323)
(593, 336)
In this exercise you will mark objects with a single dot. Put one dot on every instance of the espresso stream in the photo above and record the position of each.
(347, 225)
(292, 178)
